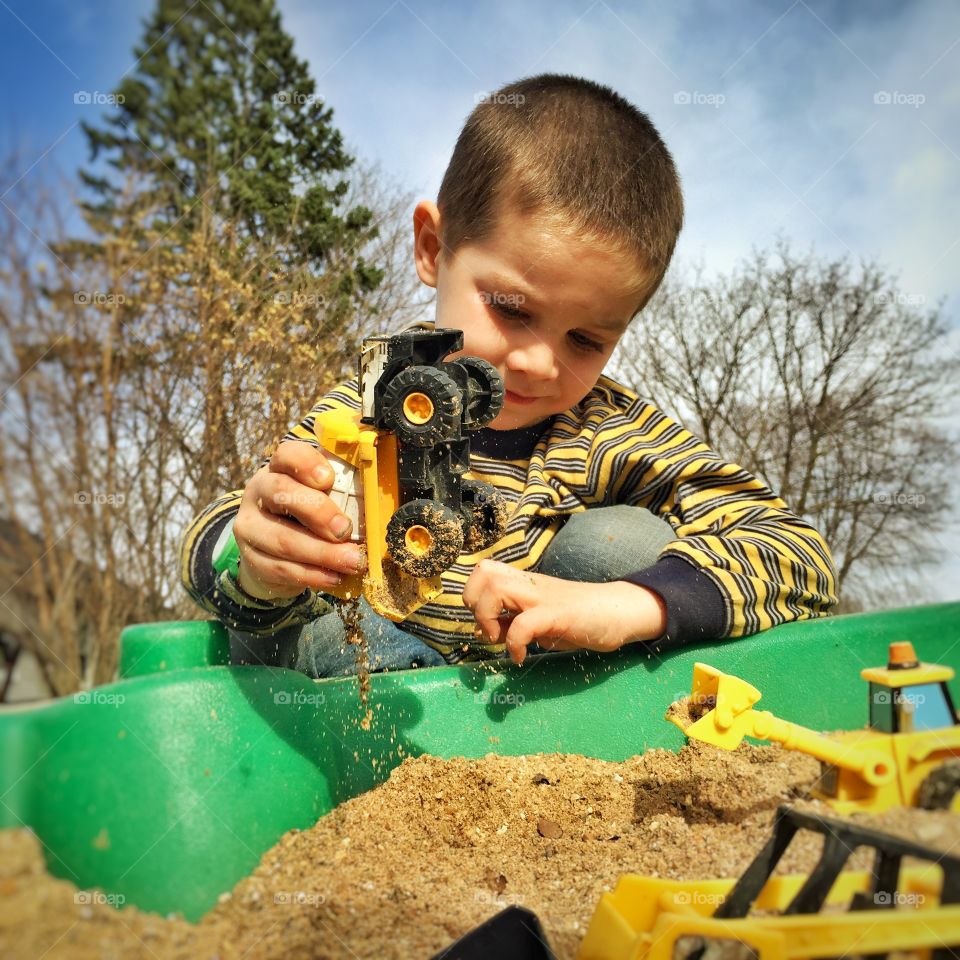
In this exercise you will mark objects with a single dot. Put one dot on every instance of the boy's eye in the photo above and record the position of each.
(505, 306)
(584, 342)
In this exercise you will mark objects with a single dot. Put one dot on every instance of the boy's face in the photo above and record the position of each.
(545, 308)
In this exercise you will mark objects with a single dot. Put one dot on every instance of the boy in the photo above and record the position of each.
(555, 223)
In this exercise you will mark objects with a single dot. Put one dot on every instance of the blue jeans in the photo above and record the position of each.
(596, 546)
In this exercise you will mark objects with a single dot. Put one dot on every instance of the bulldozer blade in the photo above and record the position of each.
(717, 710)
(398, 594)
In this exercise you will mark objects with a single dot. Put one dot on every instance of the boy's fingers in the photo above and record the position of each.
(556, 643)
(287, 497)
(274, 572)
(488, 610)
(494, 592)
(288, 541)
(490, 628)
(251, 582)
(304, 463)
(526, 628)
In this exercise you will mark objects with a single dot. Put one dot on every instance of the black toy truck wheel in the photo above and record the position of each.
(941, 789)
(485, 514)
(424, 537)
(487, 392)
(422, 405)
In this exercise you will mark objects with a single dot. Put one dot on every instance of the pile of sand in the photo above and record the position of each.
(404, 870)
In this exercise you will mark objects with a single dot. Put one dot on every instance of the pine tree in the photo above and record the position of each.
(219, 288)
(222, 167)
(224, 122)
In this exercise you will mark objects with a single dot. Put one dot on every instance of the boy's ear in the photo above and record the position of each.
(426, 241)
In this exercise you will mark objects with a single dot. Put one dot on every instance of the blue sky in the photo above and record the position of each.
(781, 132)
(834, 124)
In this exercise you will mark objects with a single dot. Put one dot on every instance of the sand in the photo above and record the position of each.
(402, 871)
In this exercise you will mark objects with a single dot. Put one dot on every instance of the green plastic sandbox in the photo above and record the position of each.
(168, 785)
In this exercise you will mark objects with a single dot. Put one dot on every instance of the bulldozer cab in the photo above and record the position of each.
(908, 696)
(892, 909)
(921, 706)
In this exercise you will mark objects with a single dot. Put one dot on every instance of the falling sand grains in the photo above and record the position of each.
(349, 613)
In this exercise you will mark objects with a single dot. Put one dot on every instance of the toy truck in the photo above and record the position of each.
(890, 910)
(909, 755)
(400, 463)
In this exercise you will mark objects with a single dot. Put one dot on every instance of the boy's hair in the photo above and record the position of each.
(564, 147)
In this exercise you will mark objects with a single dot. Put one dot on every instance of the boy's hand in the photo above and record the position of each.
(280, 556)
(559, 614)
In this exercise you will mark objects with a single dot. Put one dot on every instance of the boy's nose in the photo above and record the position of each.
(535, 359)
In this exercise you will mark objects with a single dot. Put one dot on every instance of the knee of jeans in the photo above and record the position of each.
(606, 543)
(319, 643)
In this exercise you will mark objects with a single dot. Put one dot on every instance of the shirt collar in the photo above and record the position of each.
(517, 444)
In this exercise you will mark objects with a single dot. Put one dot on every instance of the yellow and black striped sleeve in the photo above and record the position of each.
(209, 575)
(736, 539)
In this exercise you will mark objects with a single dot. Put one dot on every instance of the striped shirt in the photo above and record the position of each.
(740, 563)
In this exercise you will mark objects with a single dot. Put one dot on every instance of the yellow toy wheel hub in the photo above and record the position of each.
(418, 408)
(418, 540)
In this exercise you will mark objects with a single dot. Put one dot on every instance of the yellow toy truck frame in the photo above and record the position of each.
(400, 463)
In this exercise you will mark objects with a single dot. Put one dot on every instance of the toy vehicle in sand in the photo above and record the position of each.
(909, 755)
(829, 912)
(909, 911)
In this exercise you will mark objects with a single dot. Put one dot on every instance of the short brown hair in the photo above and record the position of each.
(560, 145)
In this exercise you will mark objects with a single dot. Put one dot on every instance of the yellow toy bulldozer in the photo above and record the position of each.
(909, 755)
(889, 910)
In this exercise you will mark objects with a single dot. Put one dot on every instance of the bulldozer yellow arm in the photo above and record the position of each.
(730, 716)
